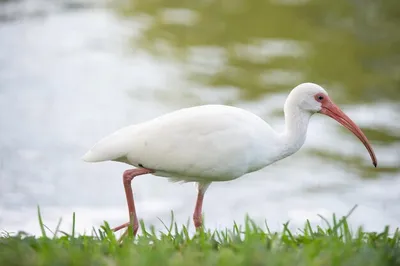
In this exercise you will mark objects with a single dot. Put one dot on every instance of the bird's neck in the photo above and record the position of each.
(294, 135)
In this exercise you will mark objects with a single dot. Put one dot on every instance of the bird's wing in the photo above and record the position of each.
(211, 141)
(206, 141)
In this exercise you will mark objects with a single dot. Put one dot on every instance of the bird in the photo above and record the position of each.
(214, 143)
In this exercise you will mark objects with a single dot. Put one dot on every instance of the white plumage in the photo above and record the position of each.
(203, 143)
(213, 143)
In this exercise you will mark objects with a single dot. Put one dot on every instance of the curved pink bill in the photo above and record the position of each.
(332, 110)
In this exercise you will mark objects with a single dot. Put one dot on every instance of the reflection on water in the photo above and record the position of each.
(72, 73)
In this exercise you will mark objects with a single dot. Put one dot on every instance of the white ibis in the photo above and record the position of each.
(213, 143)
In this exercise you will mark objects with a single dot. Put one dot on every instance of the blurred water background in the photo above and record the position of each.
(72, 72)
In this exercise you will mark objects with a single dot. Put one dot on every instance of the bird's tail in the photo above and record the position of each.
(111, 147)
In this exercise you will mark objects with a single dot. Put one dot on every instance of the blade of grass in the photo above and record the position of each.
(57, 228)
(73, 225)
(42, 229)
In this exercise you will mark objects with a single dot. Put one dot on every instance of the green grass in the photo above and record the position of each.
(335, 244)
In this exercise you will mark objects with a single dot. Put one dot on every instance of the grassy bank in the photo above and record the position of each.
(249, 244)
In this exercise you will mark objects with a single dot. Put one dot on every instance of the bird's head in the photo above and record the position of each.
(312, 98)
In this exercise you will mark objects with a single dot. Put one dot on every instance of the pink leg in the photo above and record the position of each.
(127, 178)
(197, 217)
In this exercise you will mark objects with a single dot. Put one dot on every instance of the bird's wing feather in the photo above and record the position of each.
(205, 141)
(201, 142)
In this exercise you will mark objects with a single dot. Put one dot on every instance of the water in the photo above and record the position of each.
(71, 73)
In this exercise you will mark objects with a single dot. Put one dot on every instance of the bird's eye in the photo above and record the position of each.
(320, 98)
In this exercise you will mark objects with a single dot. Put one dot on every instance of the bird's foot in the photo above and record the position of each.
(117, 228)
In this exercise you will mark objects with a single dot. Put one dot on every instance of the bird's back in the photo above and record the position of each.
(209, 141)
